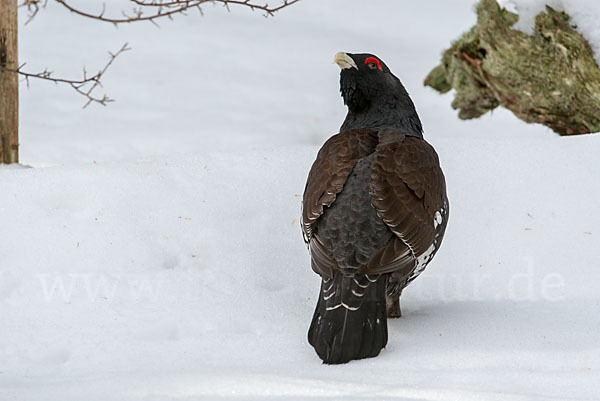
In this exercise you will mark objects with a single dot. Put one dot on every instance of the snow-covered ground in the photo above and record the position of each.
(153, 251)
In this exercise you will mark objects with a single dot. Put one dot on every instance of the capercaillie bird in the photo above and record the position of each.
(374, 211)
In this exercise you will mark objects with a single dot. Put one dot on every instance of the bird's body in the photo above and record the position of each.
(374, 212)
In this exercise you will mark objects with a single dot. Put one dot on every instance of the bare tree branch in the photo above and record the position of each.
(84, 86)
(172, 3)
(158, 9)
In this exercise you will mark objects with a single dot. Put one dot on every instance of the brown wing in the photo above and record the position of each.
(396, 256)
(326, 179)
(408, 188)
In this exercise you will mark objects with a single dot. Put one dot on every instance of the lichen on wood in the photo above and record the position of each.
(550, 77)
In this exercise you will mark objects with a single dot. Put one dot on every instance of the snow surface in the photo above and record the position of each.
(153, 251)
(584, 14)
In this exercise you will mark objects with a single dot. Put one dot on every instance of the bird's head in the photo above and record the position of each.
(375, 97)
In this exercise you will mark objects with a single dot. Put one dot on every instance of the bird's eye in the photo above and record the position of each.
(373, 63)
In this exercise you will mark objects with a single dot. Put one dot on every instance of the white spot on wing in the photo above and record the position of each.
(437, 219)
(422, 261)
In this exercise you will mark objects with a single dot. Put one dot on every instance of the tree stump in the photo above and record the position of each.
(550, 77)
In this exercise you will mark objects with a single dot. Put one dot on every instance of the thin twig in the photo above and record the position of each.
(79, 85)
(33, 6)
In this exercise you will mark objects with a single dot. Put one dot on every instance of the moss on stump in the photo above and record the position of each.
(549, 78)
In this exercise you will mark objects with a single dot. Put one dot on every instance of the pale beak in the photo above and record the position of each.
(344, 61)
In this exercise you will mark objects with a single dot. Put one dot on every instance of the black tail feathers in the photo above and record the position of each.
(350, 320)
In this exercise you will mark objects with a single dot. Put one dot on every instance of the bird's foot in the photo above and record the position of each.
(393, 306)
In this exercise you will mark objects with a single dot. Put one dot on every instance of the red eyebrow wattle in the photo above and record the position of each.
(373, 60)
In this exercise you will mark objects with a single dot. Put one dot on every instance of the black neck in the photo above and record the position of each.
(396, 119)
(395, 111)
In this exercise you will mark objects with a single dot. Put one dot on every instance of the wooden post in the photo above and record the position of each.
(9, 85)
